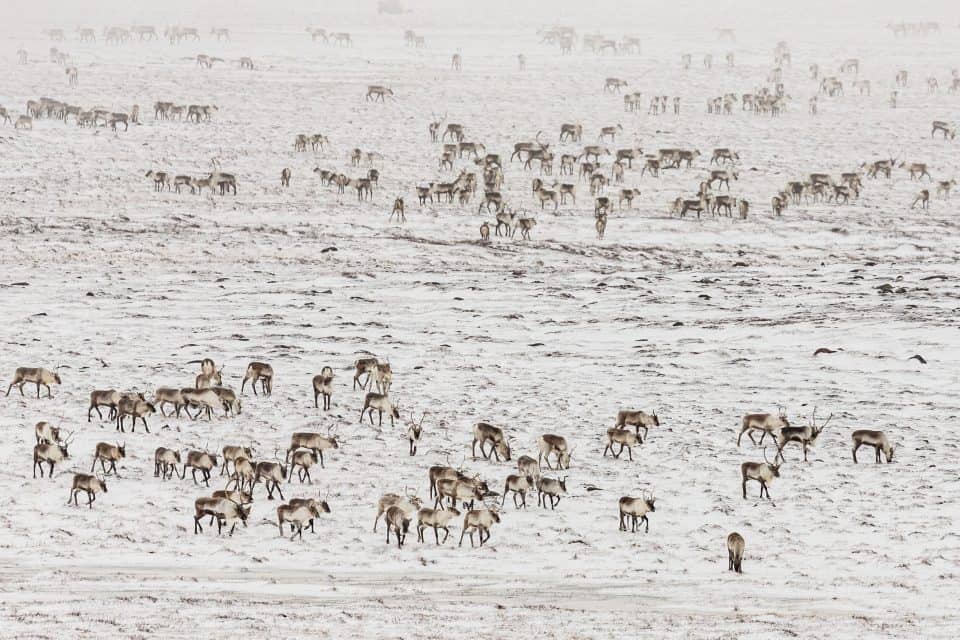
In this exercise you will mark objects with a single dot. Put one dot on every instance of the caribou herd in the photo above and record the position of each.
(470, 161)
(456, 492)
(608, 165)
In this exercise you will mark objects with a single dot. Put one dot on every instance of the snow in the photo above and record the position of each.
(702, 320)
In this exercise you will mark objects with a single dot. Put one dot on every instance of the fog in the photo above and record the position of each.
(646, 17)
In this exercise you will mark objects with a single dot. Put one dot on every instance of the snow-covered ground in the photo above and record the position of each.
(701, 320)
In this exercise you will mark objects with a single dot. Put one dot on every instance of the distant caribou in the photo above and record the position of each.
(376, 92)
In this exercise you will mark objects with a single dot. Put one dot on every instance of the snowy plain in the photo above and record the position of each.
(703, 320)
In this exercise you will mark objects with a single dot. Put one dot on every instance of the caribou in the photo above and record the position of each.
(408, 503)
(415, 429)
(258, 371)
(609, 132)
(398, 521)
(549, 489)
(519, 485)
(272, 474)
(916, 170)
(876, 439)
(556, 445)
(623, 437)
(135, 407)
(572, 132)
(106, 452)
(201, 461)
(945, 128)
(46, 433)
(232, 453)
(805, 436)
(636, 509)
(165, 463)
(435, 519)
(313, 442)
(89, 484)
(377, 92)
(944, 187)
(612, 85)
(483, 433)
(380, 402)
(761, 472)
(735, 545)
(763, 422)
(482, 521)
(109, 398)
(300, 515)
(323, 386)
(227, 512)
(637, 419)
(38, 376)
(466, 491)
(53, 453)
(601, 225)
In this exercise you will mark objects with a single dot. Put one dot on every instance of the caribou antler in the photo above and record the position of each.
(813, 419)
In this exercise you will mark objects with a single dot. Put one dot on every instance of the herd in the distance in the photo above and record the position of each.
(586, 163)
